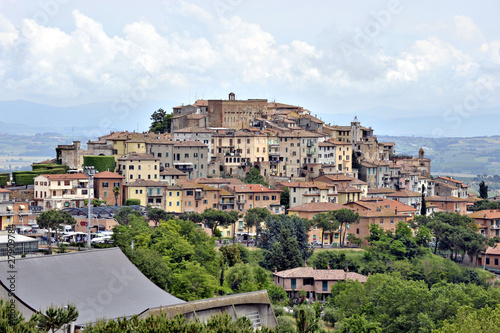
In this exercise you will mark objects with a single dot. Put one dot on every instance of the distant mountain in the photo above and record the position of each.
(93, 119)
(415, 123)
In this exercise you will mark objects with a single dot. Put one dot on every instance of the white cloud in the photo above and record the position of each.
(466, 29)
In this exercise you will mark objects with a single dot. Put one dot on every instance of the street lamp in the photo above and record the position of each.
(90, 172)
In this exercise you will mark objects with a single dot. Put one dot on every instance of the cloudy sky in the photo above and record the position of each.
(392, 58)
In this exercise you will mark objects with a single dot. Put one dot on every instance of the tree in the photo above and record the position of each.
(123, 215)
(12, 321)
(470, 320)
(250, 222)
(116, 192)
(423, 206)
(285, 197)
(326, 222)
(52, 219)
(54, 318)
(285, 254)
(254, 177)
(359, 324)
(261, 215)
(157, 214)
(345, 217)
(483, 190)
(214, 218)
(160, 121)
(298, 228)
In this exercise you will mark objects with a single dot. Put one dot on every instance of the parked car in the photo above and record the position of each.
(316, 243)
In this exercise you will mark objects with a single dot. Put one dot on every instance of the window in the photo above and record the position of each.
(257, 198)
(170, 203)
(169, 194)
(308, 281)
(131, 167)
(186, 155)
(325, 286)
(139, 167)
(116, 184)
(159, 154)
(136, 191)
(105, 194)
(294, 283)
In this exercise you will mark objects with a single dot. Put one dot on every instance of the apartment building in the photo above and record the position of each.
(238, 149)
(148, 192)
(190, 157)
(488, 222)
(449, 187)
(61, 191)
(104, 184)
(197, 197)
(200, 134)
(304, 192)
(296, 150)
(136, 166)
(12, 212)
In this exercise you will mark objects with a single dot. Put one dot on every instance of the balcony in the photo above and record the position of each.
(241, 201)
(310, 152)
(310, 144)
(184, 167)
(226, 202)
(274, 153)
(198, 196)
(274, 145)
(495, 226)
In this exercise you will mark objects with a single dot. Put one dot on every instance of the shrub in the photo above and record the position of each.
(100, 163)
(3, 180)
(132, 202)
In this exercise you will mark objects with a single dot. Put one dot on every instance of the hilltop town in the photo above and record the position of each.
(227, 167)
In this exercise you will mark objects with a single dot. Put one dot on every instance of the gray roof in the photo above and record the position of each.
(100, 283)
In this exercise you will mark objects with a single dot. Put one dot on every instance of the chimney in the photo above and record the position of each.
(275, 269)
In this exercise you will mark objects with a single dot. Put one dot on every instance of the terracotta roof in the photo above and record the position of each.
(69, 176)
(2, 190)
(218, 181)
(404, 194)
(320, 274)
(379, 203)
(320, 185)
(172, 172)
(255, 188)
(486, 214)
(445, 199)
(317, 207)
(196, 116)
(450, 180)
(108, 174)
(381, 190)
(493, 250)
(225, 193)
(145, 183)
(201, 102)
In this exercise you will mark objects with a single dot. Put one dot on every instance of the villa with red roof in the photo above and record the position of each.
(316, 282)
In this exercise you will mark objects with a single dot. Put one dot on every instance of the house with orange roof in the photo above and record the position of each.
(60, 191)
(197, 197)
(249, 196)
(387, 218)
(316, 282)
(449, 187)
(410, 198)
(104, 184)
(488, 222)
(448, 204)
(309, 211)
(491, 258)
(342, 180)
(13, 212)
(304, 192)
(172, 176)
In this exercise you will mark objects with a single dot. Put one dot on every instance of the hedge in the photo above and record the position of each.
(131, 202)
(24, 179)
(49, 166)
(100, 163)
(3, 180)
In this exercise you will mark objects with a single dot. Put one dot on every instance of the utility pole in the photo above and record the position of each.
(89, 172)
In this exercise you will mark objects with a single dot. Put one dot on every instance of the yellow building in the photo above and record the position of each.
(135, 166)
(150, 193)
(173, 199)
(239, 148)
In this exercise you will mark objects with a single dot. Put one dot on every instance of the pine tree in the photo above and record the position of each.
(483, 190)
